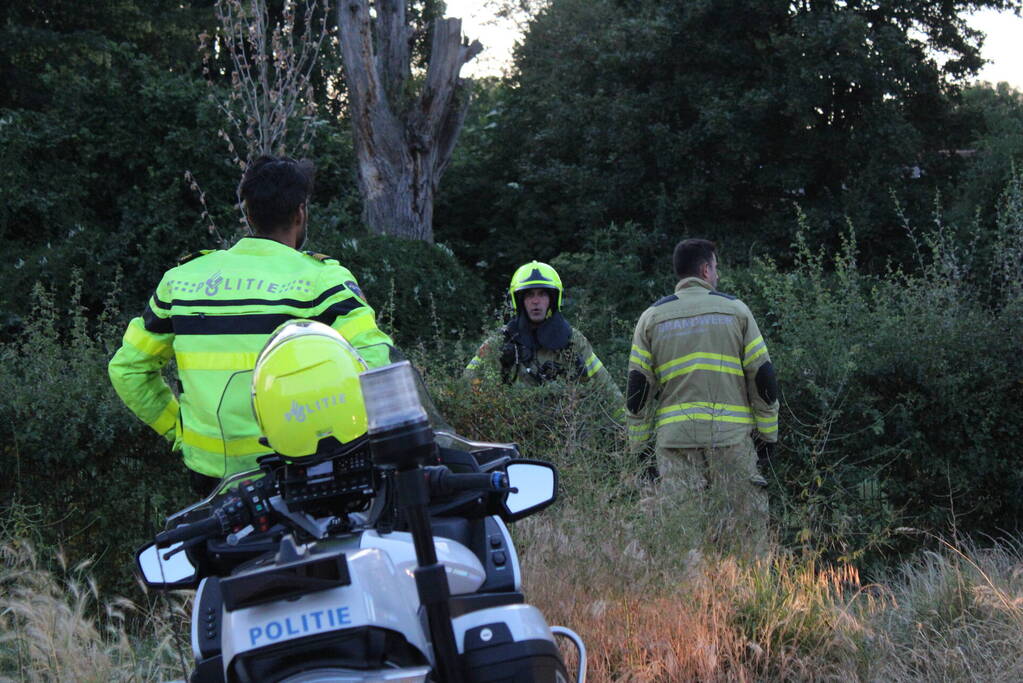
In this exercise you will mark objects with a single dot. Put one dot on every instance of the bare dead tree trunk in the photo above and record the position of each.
(403, 139)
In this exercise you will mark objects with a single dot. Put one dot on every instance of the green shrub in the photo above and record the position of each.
(95, 179)
(606, 288)
(900, 393)
(97, 478)
(419, 290)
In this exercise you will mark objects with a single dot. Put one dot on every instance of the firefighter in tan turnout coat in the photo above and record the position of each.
(702, 385)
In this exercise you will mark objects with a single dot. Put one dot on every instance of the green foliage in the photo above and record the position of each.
(606, 288)
(899, 393)
(468, 214)
(657, 120)
(94, 156)
(709, 119)
(96, 179)
(993, 117)
(419, 290)
(567, 424)
(49, 34)
(96, 479)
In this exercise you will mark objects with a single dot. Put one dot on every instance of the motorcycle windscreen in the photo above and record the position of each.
(445, 434)
(386, 354)
(239, 431)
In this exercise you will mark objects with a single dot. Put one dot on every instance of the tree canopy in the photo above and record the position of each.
(711, 117)
(716, 117)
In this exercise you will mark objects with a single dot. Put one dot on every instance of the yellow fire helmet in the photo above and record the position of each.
(536, 275)
(305, 388)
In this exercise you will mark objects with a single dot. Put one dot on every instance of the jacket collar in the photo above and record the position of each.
(692, 282)
(260, 245)
(553, 334)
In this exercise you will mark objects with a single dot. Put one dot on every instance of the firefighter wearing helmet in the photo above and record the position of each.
(538, 345)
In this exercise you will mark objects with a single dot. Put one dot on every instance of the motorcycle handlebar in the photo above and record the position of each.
(186, 532)
(490, 481)
(443, 481)
(235, 510)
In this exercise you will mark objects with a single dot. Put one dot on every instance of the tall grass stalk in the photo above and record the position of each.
(58, 628)
(950, 615)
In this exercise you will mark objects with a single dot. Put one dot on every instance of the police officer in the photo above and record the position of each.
(701, 378)
(215, 310)
(538, 345)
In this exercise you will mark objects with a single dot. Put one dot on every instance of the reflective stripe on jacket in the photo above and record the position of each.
(700, 351)
(213, 314)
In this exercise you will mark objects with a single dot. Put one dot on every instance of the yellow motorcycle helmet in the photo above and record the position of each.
(535, 275)
(305, 388)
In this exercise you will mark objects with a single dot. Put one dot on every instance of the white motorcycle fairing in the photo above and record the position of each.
(382, 594)
(523, 622)
(465, 573)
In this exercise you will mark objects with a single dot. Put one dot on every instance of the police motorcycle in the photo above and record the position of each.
(372, 544)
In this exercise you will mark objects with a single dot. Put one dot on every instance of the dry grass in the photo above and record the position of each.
(55, 627)
(647, 609)
(953, 615)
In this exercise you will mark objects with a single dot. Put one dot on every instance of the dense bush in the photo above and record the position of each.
(96, 179)
(419, 290)
(93, 176)
(82, 472)
(900, 393)
(607, 287)
(994, 116)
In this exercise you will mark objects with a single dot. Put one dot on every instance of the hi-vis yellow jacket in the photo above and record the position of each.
(699, 372)
(212, 314)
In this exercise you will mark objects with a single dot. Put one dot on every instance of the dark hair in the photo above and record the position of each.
(273, 188)
(690, 255)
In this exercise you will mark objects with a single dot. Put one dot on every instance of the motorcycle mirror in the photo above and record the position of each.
(162, 572)
(537, 484)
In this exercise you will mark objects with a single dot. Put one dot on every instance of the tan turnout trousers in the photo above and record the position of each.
(722, 487)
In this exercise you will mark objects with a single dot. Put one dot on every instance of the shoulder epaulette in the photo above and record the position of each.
(727, 296)
(322, 258)
(666, 299)
(194, 255)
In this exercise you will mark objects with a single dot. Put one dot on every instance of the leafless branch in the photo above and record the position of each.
(271, 68)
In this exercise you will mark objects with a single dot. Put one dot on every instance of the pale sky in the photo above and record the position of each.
(497, 35)
(1003, 46)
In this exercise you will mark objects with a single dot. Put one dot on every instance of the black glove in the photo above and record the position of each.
(550, 371)
(765, 452)
(508, 355)
(580, 368)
